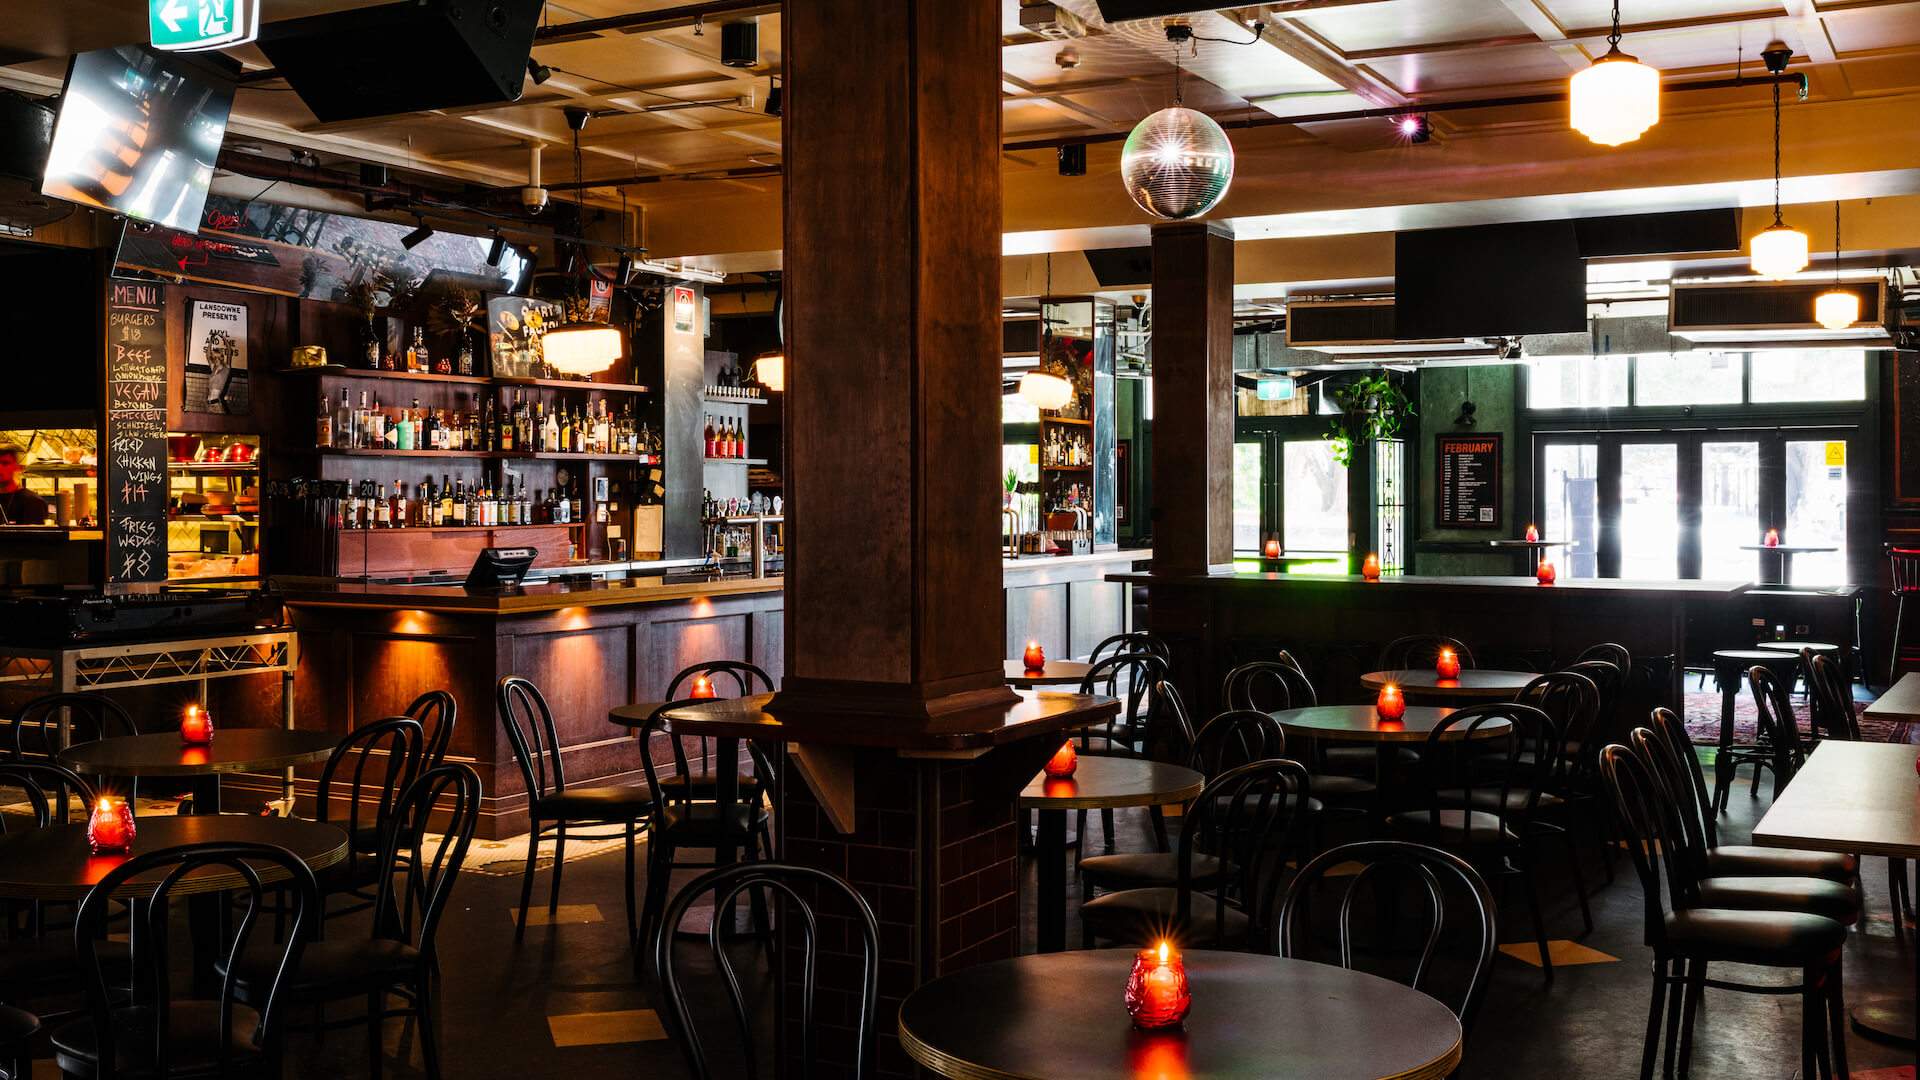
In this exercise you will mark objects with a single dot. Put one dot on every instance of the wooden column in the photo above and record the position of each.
(892, 271)
(1192, 398)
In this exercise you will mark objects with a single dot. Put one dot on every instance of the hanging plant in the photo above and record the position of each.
(1371, 408)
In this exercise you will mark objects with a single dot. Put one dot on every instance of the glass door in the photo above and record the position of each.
(1287, 487)
(1816, 510)
(1649, 511)
(1729, 509)
(1569, 504)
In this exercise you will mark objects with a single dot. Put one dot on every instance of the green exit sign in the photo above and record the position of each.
(194, 25)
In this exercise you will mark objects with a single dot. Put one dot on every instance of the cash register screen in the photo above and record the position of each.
(500, 568)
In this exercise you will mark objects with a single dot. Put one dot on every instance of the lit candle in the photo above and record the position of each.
(1063, 762)
(1545, 573)
(702, 687)
(1370, 568)
(196, 726)
(1773, 538)
(1446, 665)
(1533, 535)
(1272, 550)
(110, 826)
(1035, 657)
(1390, 705)
(1157, 995)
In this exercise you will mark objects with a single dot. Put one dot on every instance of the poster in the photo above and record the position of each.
(1468, 481)
(515, 327)
(216, 360)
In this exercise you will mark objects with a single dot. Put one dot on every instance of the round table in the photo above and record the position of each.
(1532, 548)
(1362, 724)
(232, 750)
(55, 863)
(1786, 553)
(1060, 1014)
(1098, 783)
(1479, 684)
(1052, 673)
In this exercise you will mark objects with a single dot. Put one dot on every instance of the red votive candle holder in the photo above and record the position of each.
(196, 726)
(1272, 549)
(1157, 996)
(1370, 567)
(1773, 538)
(1035, 657)
(1447, 664)
(1063, 762)
(702, 687)
(110, 825)
(1533, 535)
(1545, 574)
(1390, 705)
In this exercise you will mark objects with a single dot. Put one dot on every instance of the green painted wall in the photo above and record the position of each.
(1493, 390)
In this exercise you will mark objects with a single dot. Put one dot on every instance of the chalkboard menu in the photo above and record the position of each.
(1468, 481)
(136, 433)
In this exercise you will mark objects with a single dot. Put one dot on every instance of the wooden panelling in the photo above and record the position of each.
(389, 551)
(671, 645)
(1193, 398)
(582, 672)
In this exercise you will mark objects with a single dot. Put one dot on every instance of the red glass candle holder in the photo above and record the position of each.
(1391, 704)
(110, 825)
(1272, 548)
(196, 726)
(1034, 657)
(1370, 567)
(1157, 995)
(1533, 535)
(1063, 762)
(1773, 538)
(1447, 664)
(702, 687)
(1545, 574)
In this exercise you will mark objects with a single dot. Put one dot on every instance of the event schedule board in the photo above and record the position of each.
(1468, 481)
(135, 458)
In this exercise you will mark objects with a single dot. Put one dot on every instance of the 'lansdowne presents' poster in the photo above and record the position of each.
(216, 361)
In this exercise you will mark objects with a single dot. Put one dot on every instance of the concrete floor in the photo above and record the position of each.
(566, 1002)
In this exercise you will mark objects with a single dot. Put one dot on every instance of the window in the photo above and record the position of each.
(1015, 409)
(1649, 511)
(1729, 510)
(1817, 511)
(1314, 517)
(1246, 496)
(1576, 382)
(1570, 505)
(1690, 378)
(1834, 375)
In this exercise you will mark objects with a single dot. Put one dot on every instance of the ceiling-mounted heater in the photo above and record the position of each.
(1756, 315)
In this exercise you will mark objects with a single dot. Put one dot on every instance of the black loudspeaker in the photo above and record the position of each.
(405, 57)
(1073, 159)
(740, 43)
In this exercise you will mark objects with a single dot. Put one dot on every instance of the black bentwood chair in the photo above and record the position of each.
(728, 678)
(367, 770)
(33, 960)
(435, 711)
(804, 891)
(397, 956)
(36, 727)
(1388, 866)
(1687, 935)
(137, 1028)
(551, 804)
(1420, 651)
(17, 1029)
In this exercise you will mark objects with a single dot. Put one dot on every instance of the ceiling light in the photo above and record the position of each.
(1177, 163)
(583, 348)
(538, 71)
(1837, 308)
(1617, 98)
(1045, 390)
(1414, 127)
(496, 249)
(770, 371)
(417, 237)
(1778, 251)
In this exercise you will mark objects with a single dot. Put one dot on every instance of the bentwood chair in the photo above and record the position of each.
(1128, 677)
(801, 895)
(396, 957)
(33, 960)
(726, 678)
(1388, 867)
(17, 1029)
(1133, 641)
(366, 772)
(1420, 651)
(135, 1027)
(1251, 819)
(37, 731)
(1687, 935)
(1903, 567)
(435, 711)
(551, 804)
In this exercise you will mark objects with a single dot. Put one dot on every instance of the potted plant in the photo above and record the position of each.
(1371, 408)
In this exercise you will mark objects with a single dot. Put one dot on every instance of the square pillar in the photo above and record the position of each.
(1192, 398)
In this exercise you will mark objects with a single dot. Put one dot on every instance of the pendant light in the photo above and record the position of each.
(1177, 163)
(1778, 251)
(1617, 98)
(1045, 390)
(1837, 308)
(770, 370)
(582, 347)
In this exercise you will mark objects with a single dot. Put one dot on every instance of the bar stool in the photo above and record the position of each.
(1730, 667)
(1904, 565)
(1838, 654)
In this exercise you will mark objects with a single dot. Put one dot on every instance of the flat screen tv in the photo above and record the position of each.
(1480, 281)
(138, 134)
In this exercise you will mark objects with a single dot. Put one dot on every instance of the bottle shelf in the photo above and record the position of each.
(736, 461)
(728, 399)
(215, 468)
(483, 455)
(1045, 419)
(1066, 468)
(568, 384)
(341, 371)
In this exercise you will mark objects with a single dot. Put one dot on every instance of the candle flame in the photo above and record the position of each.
(1032, 644)
(106, 803)
(1163, 952)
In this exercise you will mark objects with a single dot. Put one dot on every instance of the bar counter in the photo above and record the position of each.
(538, 597)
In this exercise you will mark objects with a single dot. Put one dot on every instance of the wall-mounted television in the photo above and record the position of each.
(138, 134)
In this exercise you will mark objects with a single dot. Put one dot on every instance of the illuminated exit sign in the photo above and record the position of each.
(194, 25)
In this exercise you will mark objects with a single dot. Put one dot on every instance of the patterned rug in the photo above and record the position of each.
(1703, 718)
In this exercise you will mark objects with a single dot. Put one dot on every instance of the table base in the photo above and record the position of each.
(1887, 1019)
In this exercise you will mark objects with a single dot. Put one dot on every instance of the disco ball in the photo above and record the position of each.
(1177, 163)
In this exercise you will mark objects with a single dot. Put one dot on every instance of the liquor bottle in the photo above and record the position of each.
(411, 365)
(550, 432)
(575, 511)
(367, 498)
(579, 432)
(323, 425)
(417, 356)
(524, 435)
(398, 508)
(446, 500)
(710, 438)
(564, 428)
(382, 511)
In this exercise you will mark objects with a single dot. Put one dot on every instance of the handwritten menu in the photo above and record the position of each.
(136, 433)
(1468, 481)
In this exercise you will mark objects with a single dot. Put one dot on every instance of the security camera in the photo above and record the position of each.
(534, 199)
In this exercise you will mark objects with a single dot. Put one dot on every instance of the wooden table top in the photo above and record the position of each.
(1032, 714)
(1098, 783)
(1490, 683)
(232, 750)
(1060, 1014)
(1900, 702)
(54, 863)
(1052, 673)
(1360, 723)
(1849, 796)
